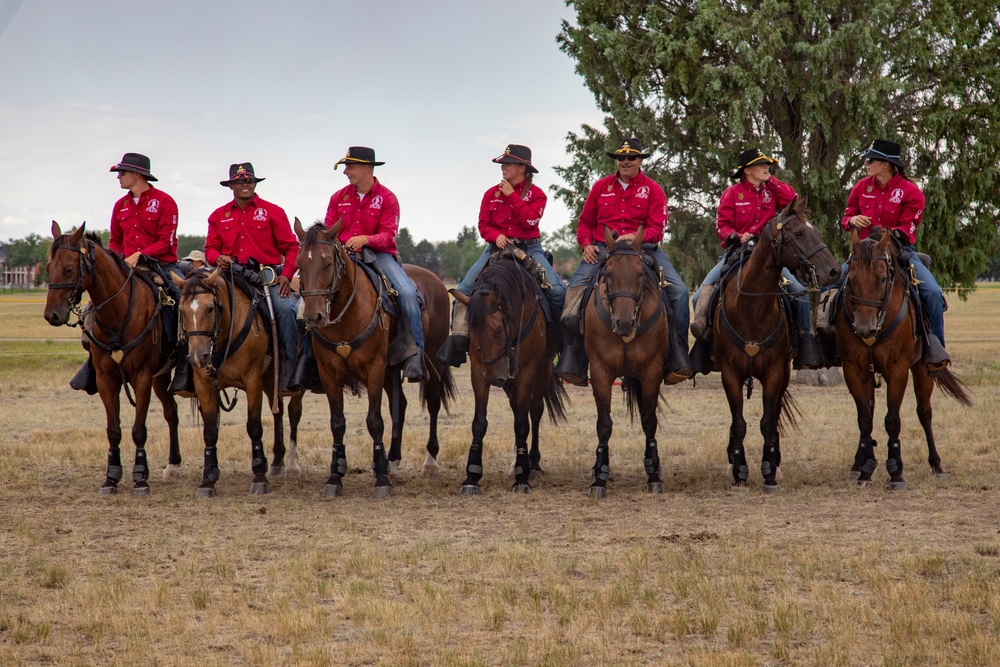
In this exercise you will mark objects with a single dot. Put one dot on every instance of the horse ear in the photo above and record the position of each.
(461, 298)
(883, 242)
(78, 234)
(855, 239)
(180, 282)
(637, 241)
(213, 276)
(56, 232)
(299, 231)
(608, 239)
(334, 231)
(790, 207)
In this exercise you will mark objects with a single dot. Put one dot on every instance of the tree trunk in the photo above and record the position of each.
(823, 377)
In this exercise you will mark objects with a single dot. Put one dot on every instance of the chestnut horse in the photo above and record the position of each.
(228, 348)
(877, 335)
(127, 342)
(752, 335)
(626, 335)
(351, 333)
(512, 347)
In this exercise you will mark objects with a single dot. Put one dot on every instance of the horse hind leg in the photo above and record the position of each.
(770, 459)
(923, 387)
(433, 389)
(397, 414)
(535, 454)
(294, 417)
(169, 403)
(278, 451)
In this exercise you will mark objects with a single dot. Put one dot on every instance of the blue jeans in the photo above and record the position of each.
(677, 291)
(407, 299)
(801, 302)
(285, 308)
(556, 295)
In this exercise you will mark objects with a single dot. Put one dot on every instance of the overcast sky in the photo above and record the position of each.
(438, 88)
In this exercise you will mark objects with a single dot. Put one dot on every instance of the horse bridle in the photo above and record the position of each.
(882, 304)
(609, 296)
(781, 245)
(331, 291)
(512, 350)
(86, 266)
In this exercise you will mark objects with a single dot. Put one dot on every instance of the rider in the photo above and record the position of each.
(623, 201)
(887, 198)
(370, 215)
(247, 228)
(510, 211)
(743, 211)
(143, 223)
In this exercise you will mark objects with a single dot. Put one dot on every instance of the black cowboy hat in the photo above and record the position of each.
(134, 162)
(241, 171)
(886, 151)
(359, 154)
(629, 148)
(749, 157)
(517, 154)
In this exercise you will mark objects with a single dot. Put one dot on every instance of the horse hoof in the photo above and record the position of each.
(740, 486)
(260, 488)
(171, 471)
(108, 490)
(897, 486)
(864, 483)
(598, 492)
(655, 487)
(393, 470)
(383, 492)
(430, 467)
(853, 475)
(141, 490)
(333, 490)
(521, 488)
(278, 471)
(771, 488)
(942, 476)
(205, 492)
(469, 490)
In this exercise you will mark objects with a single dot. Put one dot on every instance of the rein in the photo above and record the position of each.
(512, 351)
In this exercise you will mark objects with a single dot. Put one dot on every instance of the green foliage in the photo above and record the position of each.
(404, 245)
(458, 256)
(812, 81)
(31, 250)
(185, 244)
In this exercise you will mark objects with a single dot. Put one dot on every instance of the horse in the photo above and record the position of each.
(128, 343)
(877, 333)
(626, 335)
(753, 338)
(513, 347)
(351, 334)
(228, 348)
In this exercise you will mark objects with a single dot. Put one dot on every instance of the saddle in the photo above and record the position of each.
(648, 260)
(387, 293)
(517, 252)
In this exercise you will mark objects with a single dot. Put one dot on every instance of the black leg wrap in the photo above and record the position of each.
(211, 470)
(894, 459)
(651, 461)
(140, 470)
(259, 463)
(339, 465)
(602, 466)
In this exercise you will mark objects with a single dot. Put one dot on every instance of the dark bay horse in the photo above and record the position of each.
(626, 335)
(127, 342)
(877, 335)
(512, 347)
(228, 348)
(752, 334)
(351, 334)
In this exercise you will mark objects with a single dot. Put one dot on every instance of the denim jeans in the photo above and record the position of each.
(677, 291)
(556, 295)
(285, 308)
(408, 302)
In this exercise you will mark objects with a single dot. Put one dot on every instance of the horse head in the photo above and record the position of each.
(871, 278)
(200, 313)
(799, 247)
(321, 263)
(70, 271)
(626, 282)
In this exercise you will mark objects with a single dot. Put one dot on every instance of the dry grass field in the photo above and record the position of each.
(821, 573)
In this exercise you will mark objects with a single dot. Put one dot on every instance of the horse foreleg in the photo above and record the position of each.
(169, 404)
(895, 389)
(294, 417)
(601, 381)
(732, 382)
(140, 468)
(338, 459)
(376, 429)
(110, 396)
(278, 449)
(474, 465)
(651, 384)
(520, 405)
(535, 414)
(861, 384)
(255, 430)
(397, 414)
(770, 457)
(208, 399)
(923, 388)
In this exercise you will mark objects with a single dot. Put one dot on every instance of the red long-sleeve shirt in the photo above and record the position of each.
(513, 215)
(259, 230)
(149, 227)
(899, 204)
(623, 210)
(376, 216)
(745, 208)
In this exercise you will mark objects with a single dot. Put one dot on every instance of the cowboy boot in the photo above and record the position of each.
(414, 369)
(572, 366)
(456, 345)
(935, 357)
(809, 354)
(699, 323)
(85, 378)
(305, 377)
(183, 382)
(677, 366)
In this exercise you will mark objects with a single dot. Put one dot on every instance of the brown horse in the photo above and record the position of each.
(127, 342)
(626, 335)
(513, 347)
(351, 334)
(228, 348)
(877, 335)
(752, 335)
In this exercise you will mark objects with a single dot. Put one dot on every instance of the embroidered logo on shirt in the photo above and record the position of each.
(767, 196)
(643, 192)
(376, 202)
(739, 195)
(153, 206)
(260, 215)
(897, 196)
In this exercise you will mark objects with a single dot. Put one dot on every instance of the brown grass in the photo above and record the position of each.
(819, 574)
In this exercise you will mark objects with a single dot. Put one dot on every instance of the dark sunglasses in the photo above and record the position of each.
(630, 158)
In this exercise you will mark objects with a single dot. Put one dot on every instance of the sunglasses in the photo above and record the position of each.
(630, 158)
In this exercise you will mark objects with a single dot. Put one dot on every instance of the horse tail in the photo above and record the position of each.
(555, 400)
(953, 387)
(788, 413)
(632, 388)
(448, 390)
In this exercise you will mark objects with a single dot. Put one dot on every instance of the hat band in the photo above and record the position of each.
(627, 149)
(874, 150)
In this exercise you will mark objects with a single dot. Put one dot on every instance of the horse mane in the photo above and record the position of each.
(865, 251)
(508, 281)
(313, 233)
(197, 281)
